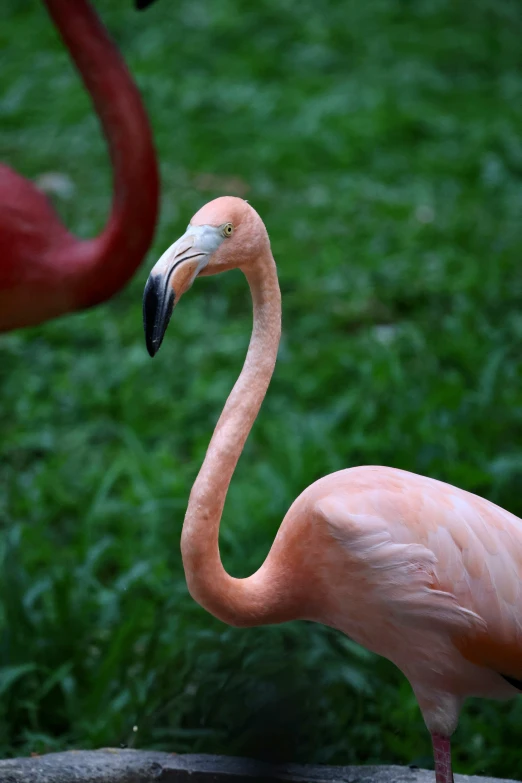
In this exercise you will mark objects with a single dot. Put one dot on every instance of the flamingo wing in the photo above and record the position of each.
(438, 557)
(399, 576)
(479, 551)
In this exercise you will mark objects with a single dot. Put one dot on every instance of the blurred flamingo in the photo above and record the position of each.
(423, 573)
(45, 271)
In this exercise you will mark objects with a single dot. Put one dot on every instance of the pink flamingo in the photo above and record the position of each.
(423, 573)
(45, 271)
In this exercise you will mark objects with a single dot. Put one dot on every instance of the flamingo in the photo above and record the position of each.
(419, 571)
(45, 271)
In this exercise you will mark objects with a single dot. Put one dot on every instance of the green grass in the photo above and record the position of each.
(381, 143)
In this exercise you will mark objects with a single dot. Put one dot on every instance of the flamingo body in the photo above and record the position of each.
(423, 573)
(30, 227)
(34, 284)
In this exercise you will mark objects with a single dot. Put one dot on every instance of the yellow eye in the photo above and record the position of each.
(228, 230)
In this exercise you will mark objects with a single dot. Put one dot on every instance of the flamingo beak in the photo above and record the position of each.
(171, 276)
(141, 4)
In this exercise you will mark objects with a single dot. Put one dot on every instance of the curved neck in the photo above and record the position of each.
(108, 261)
(251, 601)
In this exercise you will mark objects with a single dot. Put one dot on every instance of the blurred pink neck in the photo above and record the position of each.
(256, 600)
(108, 261)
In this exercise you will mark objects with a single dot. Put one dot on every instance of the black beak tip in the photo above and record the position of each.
(157, 310)
(140, 5)
(152, 348)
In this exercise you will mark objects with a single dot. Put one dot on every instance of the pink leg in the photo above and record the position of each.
(442, 754)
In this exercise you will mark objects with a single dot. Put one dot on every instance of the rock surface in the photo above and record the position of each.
(111, 765)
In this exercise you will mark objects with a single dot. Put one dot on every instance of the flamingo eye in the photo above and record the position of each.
(228, 230)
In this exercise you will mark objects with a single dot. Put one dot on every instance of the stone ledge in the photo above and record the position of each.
(110, 765)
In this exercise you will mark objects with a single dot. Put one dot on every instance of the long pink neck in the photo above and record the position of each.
(255, 600)
(106, 263)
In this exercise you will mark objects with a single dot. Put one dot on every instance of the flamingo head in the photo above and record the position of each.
(226, 233)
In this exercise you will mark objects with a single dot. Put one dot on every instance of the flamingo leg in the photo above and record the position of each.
(442, 755)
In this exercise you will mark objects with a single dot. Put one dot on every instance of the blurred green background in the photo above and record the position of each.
(381, 142)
